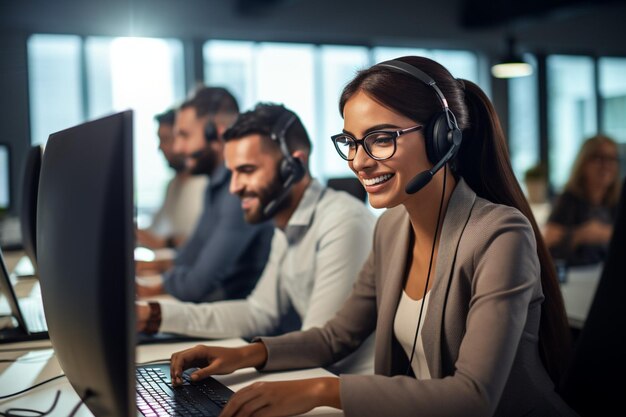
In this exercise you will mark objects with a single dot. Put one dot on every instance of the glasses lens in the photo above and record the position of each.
(345, 146)
(381, 145)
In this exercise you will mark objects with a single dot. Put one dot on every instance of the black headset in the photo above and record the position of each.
(291, 169)
(442, 134)
(210, 129)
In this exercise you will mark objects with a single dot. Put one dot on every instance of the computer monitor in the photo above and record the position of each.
(5, 184)
(85, 241)
(28, 209)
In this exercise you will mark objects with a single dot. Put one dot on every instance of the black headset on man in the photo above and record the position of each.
(210, 129)
(442, 133)
(291, 170)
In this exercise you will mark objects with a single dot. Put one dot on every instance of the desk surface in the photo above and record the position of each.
(37, 362)
(578, 291)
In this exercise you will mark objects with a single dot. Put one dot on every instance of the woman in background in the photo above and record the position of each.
(459, 285)
(580, 226)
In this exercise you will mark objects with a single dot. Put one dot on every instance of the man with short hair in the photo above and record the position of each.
(225, 256)
(178, 215)
(322, 237)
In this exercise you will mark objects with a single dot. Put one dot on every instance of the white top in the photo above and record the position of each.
(404, 324)
(312, 266)
(182, 206)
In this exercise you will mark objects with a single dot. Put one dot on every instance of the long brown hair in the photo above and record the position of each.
(577, 182)
(483, 161)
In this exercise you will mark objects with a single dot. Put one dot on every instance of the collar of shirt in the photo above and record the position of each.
(219, 176)
(301, 219)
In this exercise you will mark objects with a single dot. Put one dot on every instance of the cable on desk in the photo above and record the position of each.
(13, 412)
(32, 387)
(80, 402)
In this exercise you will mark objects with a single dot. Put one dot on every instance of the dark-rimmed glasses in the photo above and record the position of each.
(379, 144)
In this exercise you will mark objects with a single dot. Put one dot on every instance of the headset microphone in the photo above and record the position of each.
(291, 169)
(272, 207)
(420, 180)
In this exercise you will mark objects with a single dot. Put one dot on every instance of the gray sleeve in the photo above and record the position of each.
(258, 314)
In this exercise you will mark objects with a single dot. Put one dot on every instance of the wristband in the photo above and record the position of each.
(154, 320)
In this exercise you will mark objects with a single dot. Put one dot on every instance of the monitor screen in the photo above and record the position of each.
(85, 240)
(5, 195)
(28, 208)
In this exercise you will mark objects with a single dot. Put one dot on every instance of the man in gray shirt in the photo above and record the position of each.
(321, 239)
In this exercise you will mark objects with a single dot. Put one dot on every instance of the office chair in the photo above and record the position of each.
(349, 184)
(594, 381)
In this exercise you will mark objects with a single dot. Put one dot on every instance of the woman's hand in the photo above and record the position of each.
(284, 398)
(215, 360)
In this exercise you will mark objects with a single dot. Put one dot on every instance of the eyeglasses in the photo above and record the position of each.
(379, 144)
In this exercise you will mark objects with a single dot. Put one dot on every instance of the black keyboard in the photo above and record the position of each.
(156, 396)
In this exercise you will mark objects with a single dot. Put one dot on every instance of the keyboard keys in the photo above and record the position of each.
(155, 397)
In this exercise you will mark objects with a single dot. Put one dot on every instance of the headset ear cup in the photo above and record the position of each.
(298, 169)
(285, 170)
(210, 131)
(438, 138)
(291, 170)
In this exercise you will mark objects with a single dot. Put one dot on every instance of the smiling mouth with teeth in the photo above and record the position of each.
(377, 180)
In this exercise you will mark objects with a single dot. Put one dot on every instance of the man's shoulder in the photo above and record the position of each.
(342, 203)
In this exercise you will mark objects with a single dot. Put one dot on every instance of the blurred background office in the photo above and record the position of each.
(68, 61)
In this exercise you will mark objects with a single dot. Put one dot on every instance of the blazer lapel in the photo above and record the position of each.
(392, 269)
(456, 217)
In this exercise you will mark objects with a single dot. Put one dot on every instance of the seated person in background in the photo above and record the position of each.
(321, 239)
(494, 332)
(579, 228)
(177, 217)
(225, 256)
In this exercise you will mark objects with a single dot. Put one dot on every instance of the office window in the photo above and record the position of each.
(230, 64)
(55, 84)
(267, 72)
(524, 121)
(571, 111)
(338, 65)
(613, 93)
(145, 75)
(142, 74)
(461, 64)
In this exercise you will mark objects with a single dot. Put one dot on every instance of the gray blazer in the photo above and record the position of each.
(480, 330)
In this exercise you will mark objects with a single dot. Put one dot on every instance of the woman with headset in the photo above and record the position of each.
(459, 285)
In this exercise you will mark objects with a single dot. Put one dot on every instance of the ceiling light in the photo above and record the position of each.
(511, 65)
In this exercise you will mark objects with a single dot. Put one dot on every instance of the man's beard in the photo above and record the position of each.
(266, 195)
(205, 163)
(177, 163)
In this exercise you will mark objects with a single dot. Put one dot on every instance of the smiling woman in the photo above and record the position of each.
(459, 286)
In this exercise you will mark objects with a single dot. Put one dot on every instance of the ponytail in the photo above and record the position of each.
(483, 162)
